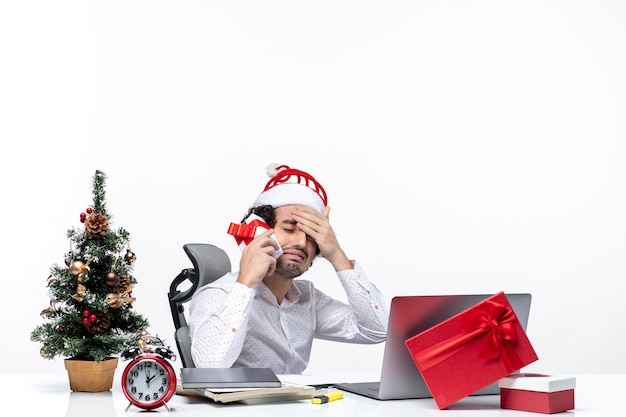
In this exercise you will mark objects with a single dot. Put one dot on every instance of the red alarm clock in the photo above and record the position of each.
(149, 380)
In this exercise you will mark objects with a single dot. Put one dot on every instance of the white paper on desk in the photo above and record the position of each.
(317, 380)
(284, 384)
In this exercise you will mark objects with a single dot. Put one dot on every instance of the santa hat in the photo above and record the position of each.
(289, 186)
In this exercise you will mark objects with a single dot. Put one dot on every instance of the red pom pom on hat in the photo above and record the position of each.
(289, 186)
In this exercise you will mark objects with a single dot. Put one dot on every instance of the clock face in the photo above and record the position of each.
(149, 381)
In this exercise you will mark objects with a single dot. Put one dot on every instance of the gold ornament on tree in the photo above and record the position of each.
(52, 280)
(124, 287)
(44, 354)
(130, 256)
(146, 342)
(117, 300)
(80, 292)
(79, 268)
(141, 343)
(48, 310)
(114, 300)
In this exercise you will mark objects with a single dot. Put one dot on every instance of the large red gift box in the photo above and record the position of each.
(538, 393)
(471, 350)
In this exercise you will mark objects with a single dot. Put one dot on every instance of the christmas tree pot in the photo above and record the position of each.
(91, 376)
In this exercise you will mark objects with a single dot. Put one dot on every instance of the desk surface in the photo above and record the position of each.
(49, 395)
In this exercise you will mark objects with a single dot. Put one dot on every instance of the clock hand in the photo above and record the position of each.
(148, 377)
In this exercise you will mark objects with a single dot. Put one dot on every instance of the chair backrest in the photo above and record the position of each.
(209, 263)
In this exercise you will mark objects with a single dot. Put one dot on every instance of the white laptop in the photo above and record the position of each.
(408, 316)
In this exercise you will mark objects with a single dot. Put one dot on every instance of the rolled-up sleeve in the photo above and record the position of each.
(363, 320)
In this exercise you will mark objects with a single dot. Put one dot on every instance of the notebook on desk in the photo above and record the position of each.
(229, 378)
(408, 316)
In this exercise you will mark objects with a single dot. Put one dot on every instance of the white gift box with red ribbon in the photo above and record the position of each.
(245, 232)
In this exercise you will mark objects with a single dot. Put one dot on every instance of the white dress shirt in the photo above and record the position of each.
(233, 325)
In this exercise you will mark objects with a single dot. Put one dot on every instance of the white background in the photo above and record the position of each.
(466, 146)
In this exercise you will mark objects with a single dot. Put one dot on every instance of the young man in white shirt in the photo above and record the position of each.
(262, 316)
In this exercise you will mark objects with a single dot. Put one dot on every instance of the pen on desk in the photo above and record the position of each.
(328, 397)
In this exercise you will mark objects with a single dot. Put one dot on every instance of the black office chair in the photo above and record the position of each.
(209, 263)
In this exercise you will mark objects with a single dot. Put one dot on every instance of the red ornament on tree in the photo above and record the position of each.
(89, 210)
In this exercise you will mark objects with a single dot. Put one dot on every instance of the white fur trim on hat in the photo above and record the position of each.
(288, 194)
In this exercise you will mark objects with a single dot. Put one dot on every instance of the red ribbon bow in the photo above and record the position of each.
(245, 232)
(491, 321)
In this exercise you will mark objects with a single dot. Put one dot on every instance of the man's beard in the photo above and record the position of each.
(288, 270)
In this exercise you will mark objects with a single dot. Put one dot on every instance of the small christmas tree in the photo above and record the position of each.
(91, 314)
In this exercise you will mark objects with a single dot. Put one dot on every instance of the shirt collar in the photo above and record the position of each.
(292, 297)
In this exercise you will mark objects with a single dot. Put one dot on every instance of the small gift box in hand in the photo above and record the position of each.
(471, 350)
(245, 232)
